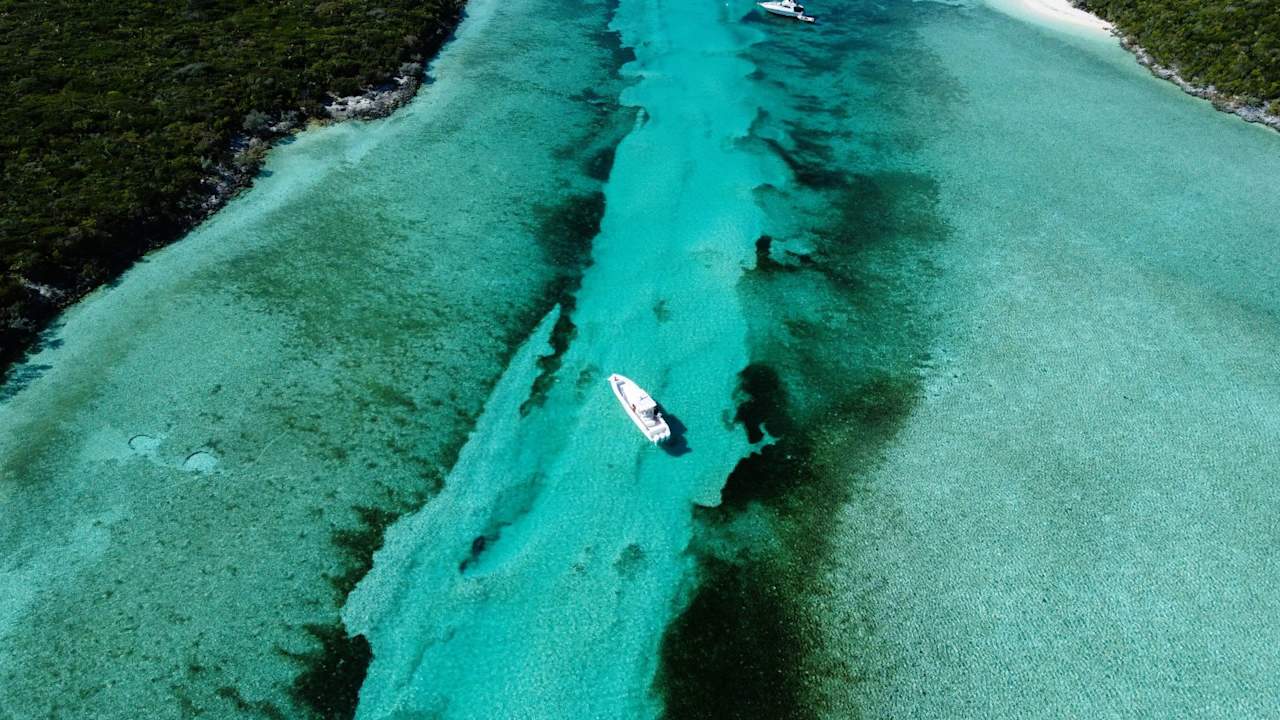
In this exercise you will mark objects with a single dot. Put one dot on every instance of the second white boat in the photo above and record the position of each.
(787, 8)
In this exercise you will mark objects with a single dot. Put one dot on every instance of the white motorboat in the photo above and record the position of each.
(643, 410)
(787, 8)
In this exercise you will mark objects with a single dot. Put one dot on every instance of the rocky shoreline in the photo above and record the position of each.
(249, 149)
(1254, 112)
(1249, 109)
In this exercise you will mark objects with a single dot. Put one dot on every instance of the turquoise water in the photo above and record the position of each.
(550, 563)
(968, 324)
(1040, 486)
(1075, 517)
(195, 469)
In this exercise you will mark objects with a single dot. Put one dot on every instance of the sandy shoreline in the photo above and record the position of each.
(1062, 15)
(1055, 12)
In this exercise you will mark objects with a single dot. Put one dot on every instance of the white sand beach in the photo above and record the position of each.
(1060, 13)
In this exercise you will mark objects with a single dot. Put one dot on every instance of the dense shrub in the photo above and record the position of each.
(1231, 44)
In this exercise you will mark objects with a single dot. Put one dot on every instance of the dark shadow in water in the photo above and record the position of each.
(24, 372)
(508, 507)
(565, 232)
(19, 378)
(830, 394)
(334, 672)
(730, 654)
(478, 546)
(676, 445)
(762, 405)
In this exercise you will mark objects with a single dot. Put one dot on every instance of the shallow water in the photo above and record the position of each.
(1053, 438)
(1075, 518)
(999, 304)
(551, 562)
(198, 465)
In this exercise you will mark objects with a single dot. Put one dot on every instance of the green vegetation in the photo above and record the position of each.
(114, 115)
(1233, 45)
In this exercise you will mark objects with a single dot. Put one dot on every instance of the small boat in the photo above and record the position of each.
(643, 410)
(787, 8)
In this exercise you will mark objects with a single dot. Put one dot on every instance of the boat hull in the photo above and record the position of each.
(631, 396)
(776, 9)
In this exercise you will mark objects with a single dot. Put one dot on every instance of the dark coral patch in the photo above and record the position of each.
(874, 207)
(478, 545)
(764, 254)
(763, 476)
(763, 403)
(244, 706)
(600, 164)
(730, 654)
(330, 683)
(811, 171)
(359, 543)
(566, 232)
(611, 40)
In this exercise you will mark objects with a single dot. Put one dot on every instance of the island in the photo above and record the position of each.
(1227, 51)
(125, 124)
